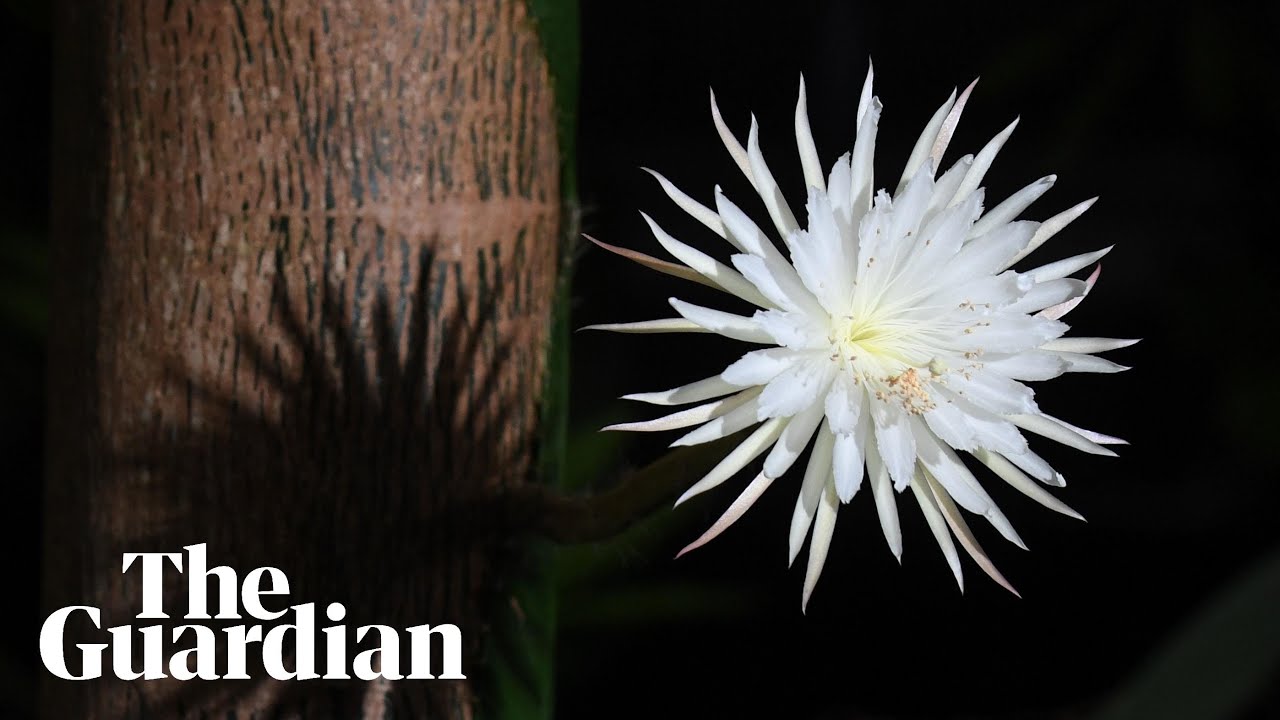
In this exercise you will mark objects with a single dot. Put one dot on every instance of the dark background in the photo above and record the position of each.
(1169, 113)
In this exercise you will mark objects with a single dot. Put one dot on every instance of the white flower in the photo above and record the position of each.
(897, 334)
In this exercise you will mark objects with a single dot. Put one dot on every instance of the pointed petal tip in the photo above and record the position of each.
(684, 497)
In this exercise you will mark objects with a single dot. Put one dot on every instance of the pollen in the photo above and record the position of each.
(909, 390)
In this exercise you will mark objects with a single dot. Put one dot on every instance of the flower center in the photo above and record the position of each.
(876, 352)
(869, 340)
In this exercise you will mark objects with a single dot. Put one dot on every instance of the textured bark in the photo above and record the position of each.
(305, 254)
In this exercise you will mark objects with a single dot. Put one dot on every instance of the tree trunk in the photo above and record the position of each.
(304, 256)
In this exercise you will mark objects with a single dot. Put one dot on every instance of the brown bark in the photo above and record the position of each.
(305, 254)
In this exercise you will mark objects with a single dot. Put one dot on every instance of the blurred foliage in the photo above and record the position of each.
(1220, 662)
(520, 662)
(24, 301)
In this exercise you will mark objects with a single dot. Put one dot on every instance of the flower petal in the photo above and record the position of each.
(864, 99)
(846, 403)
(886, 504)
(736, 510)
(759, 366)
(796, 330)
(730, 142)
(665, 325)
(1049, 427)
(824, 527)
(993, 392)
(1087, 344)
(924, 144)
(1030, 365)
(895, 443)
(796, 387)
(1052, 227)
(704, 389)
(750, 449)
(1007, 333)
(781, 285)
(820, 256)
(781, 214)
(1013, 206)
(688, 418)
(938, 525)
(1006, 471)
(744, 234)
(719, 274)
(962, 532)
(854, 429)
(804, 143)
(950, 124)
(1100, 438)
(722, 323)
(816, 476)
(1063, 268)
(941, 464)
(740, 418)
(863, 156)
(982, 162)
(1036, 467)
(695, 209)
(794, 439)
(653, 263)
(1079, 362)
(985, 255)
(1046, 294)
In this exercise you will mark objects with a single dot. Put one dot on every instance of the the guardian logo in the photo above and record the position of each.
(199, 658)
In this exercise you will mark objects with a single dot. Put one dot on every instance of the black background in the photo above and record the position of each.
(1168, 113)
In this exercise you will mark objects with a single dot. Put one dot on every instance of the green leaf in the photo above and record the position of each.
(1224, 657)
